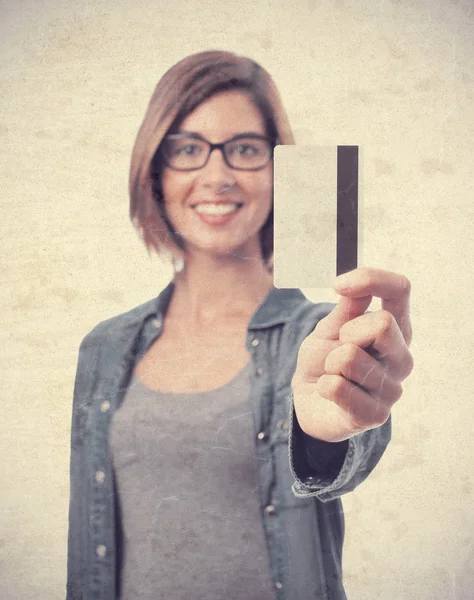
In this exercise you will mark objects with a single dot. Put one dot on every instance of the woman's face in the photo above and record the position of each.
(242, 199)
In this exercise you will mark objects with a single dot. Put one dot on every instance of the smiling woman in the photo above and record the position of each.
(194, 472)
(181, 90)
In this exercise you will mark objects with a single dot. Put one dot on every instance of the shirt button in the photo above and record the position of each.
(255, 342)
(262, 436)
(269, 510)
(104, 407)
(101, 551)
(100, 476)
(156, 323)
(259, 371)
(278, 585)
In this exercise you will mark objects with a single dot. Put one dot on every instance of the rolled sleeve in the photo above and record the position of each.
(328, 470)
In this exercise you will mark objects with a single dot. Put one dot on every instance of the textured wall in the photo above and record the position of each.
(394, 76)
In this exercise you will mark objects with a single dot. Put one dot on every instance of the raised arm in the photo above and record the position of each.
(348, 377)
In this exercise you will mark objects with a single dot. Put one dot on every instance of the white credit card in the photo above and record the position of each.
(317, 207)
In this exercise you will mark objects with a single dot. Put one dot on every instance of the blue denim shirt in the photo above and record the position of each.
(301, 480)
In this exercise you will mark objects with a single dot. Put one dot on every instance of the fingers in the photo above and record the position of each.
(350, 368)
(311, 357)
(356, 365)
(360, 409)
(392, 288)
(345, 310)
(379, 332)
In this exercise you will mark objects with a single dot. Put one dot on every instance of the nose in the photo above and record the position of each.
(217, 173)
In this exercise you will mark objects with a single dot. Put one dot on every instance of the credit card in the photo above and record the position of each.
(317, 202)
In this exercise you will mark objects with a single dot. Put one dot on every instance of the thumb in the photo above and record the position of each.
(345, 310)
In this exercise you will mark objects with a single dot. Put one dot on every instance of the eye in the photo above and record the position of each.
(187, 150)
(245, 149)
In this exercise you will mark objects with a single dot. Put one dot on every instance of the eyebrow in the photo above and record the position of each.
(249, 133)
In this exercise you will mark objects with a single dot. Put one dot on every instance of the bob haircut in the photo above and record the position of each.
(183, 87)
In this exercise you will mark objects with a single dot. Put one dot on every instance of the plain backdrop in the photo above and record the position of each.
(393, 76)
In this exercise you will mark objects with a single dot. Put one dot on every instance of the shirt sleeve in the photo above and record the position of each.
(316, 459)
(328, 470)
(77, 516)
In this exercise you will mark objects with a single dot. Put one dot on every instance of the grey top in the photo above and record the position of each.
(187, 481)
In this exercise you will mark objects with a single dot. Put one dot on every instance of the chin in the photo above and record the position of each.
(225, 249)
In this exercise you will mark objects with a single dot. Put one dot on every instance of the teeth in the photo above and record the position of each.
(216, 209)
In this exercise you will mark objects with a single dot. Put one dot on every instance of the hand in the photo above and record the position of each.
(350, 368)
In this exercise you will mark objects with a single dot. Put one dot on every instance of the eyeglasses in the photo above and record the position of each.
(190, 151)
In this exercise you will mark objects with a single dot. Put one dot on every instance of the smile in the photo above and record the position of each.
(214, 208)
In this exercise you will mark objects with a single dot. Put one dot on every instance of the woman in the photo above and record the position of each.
(186, 441)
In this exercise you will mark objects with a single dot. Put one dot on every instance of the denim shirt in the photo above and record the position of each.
(301, 479)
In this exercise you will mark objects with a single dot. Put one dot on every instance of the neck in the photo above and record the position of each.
(213, 288)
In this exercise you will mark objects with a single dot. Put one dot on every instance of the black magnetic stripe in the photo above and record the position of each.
(347, 208)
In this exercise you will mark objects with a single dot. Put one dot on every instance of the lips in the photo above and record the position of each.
(216, 213)
(216, 208)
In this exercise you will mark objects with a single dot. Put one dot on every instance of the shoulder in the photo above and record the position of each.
(119, 325)
(308, 312)
(305, 315)
(291, 309)
(300, 323)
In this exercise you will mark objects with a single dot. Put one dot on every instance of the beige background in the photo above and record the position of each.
(395, 77)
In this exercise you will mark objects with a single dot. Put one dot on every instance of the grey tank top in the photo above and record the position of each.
(185, 466)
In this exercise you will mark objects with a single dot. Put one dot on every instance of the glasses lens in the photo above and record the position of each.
(248, 153)
(185, 152)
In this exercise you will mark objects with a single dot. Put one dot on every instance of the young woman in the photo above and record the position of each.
(195, 473)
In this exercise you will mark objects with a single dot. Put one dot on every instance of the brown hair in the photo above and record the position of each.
(186, 85)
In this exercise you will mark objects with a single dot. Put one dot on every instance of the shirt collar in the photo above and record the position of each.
(275, 309)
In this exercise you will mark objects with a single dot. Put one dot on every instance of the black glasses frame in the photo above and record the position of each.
(222, 147)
